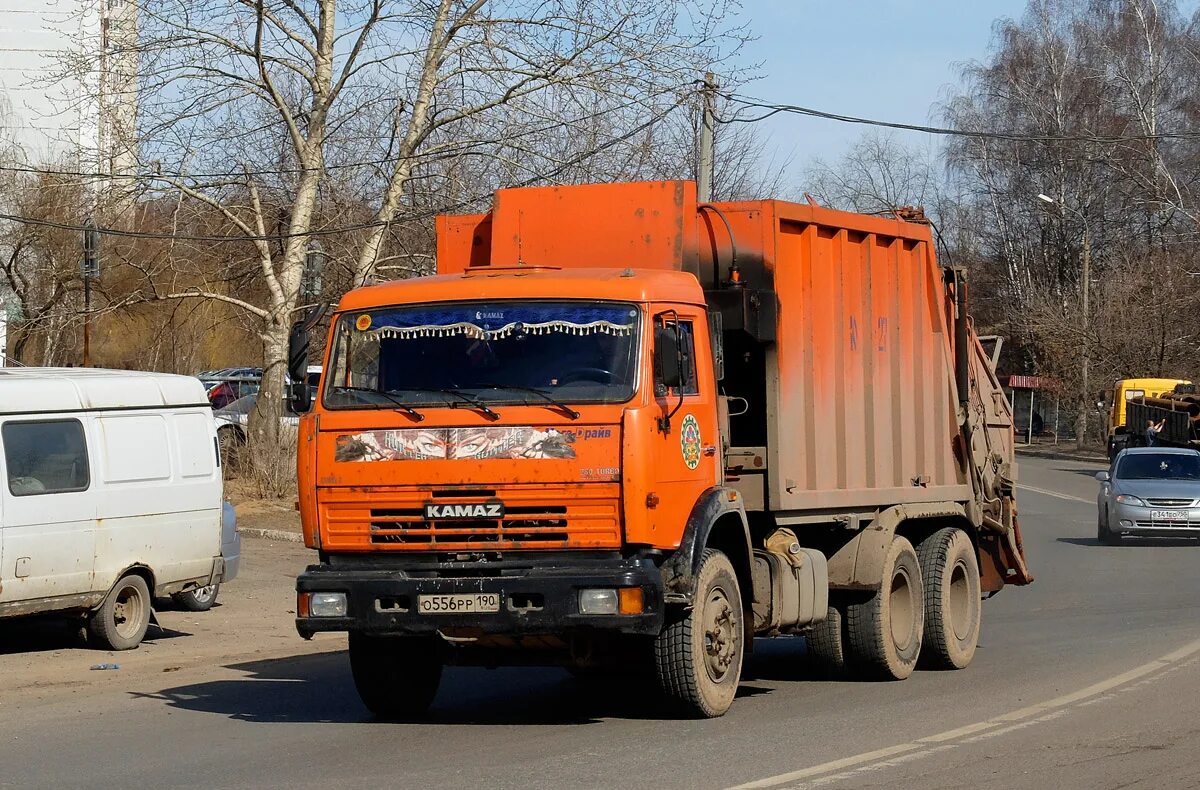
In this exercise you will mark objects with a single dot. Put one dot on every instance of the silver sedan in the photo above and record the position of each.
(1150, 492)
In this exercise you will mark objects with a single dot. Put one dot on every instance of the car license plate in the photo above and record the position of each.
(458, 603)
(1169, 515)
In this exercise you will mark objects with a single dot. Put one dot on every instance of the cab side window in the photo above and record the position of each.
(45, 457)
(675, 358)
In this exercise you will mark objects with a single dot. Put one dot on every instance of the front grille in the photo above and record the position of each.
(1171, 502)
(580, 516)
(529, 524)
(1164, 524)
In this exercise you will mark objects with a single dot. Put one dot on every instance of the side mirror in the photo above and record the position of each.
(1103, 477)
(298, 395)
(667, 356)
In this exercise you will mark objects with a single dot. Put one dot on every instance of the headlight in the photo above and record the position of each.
(624, 600)
(323, 604)
(1127, 499)
(598, 601)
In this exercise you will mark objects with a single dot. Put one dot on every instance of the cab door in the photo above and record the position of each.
(686, 441)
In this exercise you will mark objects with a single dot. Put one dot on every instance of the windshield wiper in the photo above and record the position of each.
(400, 405)
(567, 410)
(464, 400)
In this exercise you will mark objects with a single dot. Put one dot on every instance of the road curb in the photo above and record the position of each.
(1063, 456)
(271, 534)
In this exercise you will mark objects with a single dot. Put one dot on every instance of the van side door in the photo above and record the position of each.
(49, 510)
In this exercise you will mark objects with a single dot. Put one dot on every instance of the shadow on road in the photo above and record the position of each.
(1075, 470)
(44, 633)
(319, 689)
(1132, 542)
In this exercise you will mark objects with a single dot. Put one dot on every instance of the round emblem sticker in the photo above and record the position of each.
(363, 323)
(689, 441)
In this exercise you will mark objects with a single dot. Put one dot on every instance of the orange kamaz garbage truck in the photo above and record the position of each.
(622, 429)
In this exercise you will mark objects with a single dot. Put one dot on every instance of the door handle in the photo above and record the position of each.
(710, 450)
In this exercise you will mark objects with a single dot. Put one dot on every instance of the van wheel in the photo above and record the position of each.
(121, 621)
(883, 633)
(950, 573)
(200, 599)
(396, 677)
(698, 654)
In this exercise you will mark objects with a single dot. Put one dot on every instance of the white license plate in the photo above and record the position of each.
(1169, 515)
(458, 603)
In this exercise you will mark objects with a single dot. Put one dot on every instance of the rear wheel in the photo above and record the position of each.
(200, 599)
(950, 574)
(396, 677)
(698, 654)
(883, 633)
(121, 621)
(826, 646)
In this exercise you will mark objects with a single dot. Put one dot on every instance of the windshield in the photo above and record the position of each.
(499, 352)
(1164, 466)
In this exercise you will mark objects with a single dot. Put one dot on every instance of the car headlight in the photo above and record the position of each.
(1128, 499)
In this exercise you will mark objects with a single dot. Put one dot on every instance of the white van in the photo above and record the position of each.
(111, 496)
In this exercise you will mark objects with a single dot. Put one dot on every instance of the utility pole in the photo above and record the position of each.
(1085, 398)
(1085, 276)
(89, 270)
(705, 175)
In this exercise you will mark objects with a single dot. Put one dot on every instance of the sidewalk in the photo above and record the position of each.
(270, 520)
(1065, 452)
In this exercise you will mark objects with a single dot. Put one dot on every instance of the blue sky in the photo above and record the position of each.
(888, 59)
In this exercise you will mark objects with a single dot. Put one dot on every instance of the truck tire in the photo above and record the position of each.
(200, 599)
(883, 633)
(953, 602)
(396, 677)
(826, 646)
(122, 619)
(698, 654)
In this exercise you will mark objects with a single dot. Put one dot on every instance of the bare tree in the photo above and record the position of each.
(263, 115)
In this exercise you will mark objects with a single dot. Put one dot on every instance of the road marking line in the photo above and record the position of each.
(999, 725)
(1054, 494)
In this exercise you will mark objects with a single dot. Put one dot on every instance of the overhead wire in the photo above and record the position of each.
(538, 177)
(772, 109)
(159, 175)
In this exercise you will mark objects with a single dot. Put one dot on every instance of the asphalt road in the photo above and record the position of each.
(1090, 678)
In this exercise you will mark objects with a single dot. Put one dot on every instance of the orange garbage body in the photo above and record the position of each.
(839, 391)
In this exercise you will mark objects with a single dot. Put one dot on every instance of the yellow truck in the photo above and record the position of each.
(1121, 433)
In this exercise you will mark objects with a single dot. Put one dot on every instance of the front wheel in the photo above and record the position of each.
(396, 677)
(1104, 534)
(883, 633)
(698, 654)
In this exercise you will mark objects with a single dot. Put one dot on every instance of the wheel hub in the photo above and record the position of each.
(720, 635)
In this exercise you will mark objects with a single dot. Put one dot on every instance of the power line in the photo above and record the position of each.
(158, 175)
(358, 226)
(752, 103)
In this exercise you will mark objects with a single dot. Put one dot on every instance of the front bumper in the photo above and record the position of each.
(537, 596)
(1136, 520)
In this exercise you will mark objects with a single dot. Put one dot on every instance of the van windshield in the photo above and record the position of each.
(498, 352)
